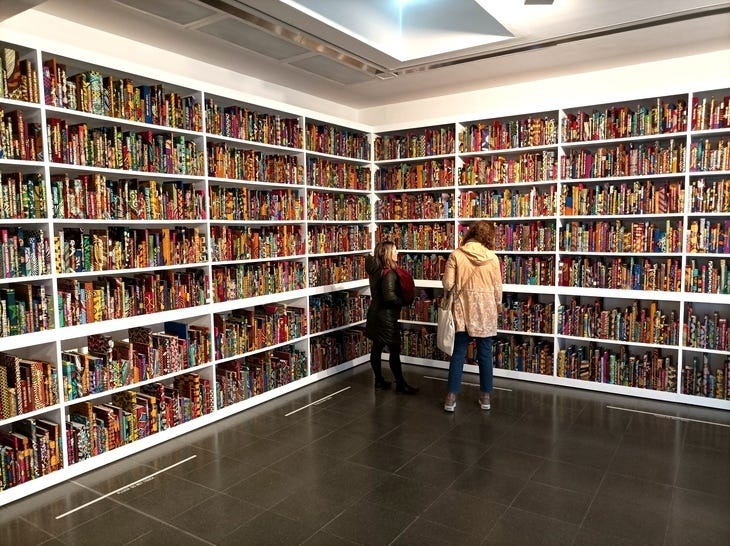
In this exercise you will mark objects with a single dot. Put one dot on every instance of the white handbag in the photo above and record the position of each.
(445, 328)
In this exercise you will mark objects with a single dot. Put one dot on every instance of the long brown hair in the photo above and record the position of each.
(384, 254)
(481, 232)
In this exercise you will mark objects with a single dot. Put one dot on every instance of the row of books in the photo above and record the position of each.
(709, 195)
(710, 277)
(508, 203)
(22, 196)
(435, 173)
(619, 236)
(337, 207)
(423, 309)
(336, 269)
(331, 349)
(95, 428)
(525, 313)
(24, 308)
(708, 155)
(634, 323)
(240, 281)
(96, 197)
(116, 247)
(707, 332)
(647, 370)
(29, 449)
(420, 342)
(659, 118)
(643, 158)
(242, 203)
(243, 378)
(18, 77)
(337, 309)
(631, 273)
(18, 138)
(514, 169)
(331, 174)
(710, 113)
(242, 123)
(251, 243)
(245, 330)
(639, 197)
(94, 93)
(534, 236)
(529, 270)
(520, 354)
(424, 266)
(225, 161)
(418, 143)
(501, 134)
(704, 236)
(107, 363)
(699, 379)
(26, 385)
(325, 239)
(412, 236)
(23, 253)
(107, 298)
(116, 148)
(408, 206)
(329, 139)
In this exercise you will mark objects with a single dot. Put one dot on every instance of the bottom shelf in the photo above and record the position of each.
(43, 482)
(581, 384)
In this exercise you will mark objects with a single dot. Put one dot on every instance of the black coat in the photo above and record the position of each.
(385, 304)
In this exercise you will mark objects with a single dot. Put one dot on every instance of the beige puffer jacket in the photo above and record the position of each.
(480, 300)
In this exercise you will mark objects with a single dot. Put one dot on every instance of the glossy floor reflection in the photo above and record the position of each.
(546, 465)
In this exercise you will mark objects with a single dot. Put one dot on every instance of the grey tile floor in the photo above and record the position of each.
(546, 465)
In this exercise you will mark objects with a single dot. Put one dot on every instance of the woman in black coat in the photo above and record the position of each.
(382, 320)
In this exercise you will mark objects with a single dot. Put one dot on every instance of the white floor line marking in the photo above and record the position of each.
(125, 487)
(317, 401)
(673, 417)
(464, 383)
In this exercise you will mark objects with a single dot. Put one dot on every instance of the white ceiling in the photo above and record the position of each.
(335, 49)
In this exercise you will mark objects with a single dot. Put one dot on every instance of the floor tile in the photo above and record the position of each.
(489, 485)
(118, 526)
(578, 478)
(323, 538)
(20, 531)
(506, 461)
(457, 449)
(167, 535)
(216, 517)
(219, 474)
(465, 513)
(517, 527)
(340, 444)
(404, 494)
(269, 528)
(553, 502)
(168, 496)
(646, 522)
(265, 488)
(427, 533)
(369, 524)
(313, 507)
(431, 470)
(383, 456)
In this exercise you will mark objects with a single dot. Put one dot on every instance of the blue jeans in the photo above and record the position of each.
(484, 356)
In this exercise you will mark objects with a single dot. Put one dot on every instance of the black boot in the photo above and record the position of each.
(405, 388)
(382, 384)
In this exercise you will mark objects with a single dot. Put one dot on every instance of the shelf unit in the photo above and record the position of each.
(160, 246)
(612, 220)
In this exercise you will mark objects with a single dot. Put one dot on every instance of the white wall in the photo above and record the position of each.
(682, 74)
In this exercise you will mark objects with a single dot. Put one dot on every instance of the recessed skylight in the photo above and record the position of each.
(409, 29)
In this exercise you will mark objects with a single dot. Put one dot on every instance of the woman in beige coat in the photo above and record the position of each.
(474, 273)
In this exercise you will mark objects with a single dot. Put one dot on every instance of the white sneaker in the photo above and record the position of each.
(484, 401)
(450, 403)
